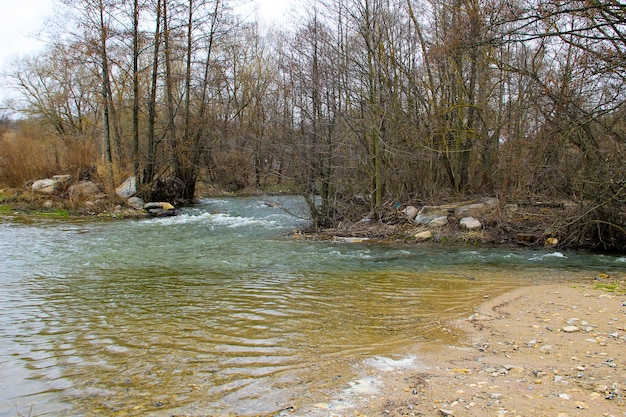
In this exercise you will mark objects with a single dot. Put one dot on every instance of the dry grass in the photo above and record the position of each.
(29, 153)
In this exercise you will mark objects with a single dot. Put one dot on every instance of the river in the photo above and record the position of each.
(219, 310)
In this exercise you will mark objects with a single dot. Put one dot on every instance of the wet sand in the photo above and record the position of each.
(549, 350)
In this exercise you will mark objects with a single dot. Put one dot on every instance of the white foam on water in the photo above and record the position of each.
(548, 255)
(383, 363)
(220, 219)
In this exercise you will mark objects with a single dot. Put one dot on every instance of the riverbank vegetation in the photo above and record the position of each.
(362, 106)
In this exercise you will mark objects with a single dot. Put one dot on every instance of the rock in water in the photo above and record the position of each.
(160, 209)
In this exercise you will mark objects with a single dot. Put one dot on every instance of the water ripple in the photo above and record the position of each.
(217, 311)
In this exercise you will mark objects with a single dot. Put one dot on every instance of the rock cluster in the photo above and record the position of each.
(88, 193)
(433, 217)
(51, 186)
(128, 190)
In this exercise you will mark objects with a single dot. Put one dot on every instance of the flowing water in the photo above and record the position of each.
(219, 310)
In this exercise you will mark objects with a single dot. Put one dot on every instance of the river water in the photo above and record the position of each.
(219, 311)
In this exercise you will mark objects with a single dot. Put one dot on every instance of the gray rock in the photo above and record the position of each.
(429, 213)
(161, 213)
(570, 329)
(136, 203)
(439, 222)
(471, 223)
(160, 209)
(470, 210)
(128, 188)
(84, 190)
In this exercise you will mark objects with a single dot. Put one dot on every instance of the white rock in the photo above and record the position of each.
(471, 223)
(46, 186)
(410, 212)
(570, 329)
(128, 188)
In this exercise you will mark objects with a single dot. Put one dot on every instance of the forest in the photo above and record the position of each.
(358, 105)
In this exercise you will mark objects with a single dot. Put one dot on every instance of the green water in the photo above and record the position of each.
(219, 311)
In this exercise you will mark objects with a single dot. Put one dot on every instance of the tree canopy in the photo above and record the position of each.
(356, 104)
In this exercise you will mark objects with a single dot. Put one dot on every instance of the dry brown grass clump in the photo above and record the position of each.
(29, 153)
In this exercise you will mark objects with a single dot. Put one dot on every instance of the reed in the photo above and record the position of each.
(29, 154)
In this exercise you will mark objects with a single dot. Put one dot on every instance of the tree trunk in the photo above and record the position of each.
(135, 155)
(151, 146)
(106, 98)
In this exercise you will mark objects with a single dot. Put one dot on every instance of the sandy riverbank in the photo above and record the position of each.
(554, 350)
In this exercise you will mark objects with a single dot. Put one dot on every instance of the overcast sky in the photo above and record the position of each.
(21, 20)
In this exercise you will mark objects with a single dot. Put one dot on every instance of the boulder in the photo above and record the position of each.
(477, 209)
(429, 213)
(410, 212)
(85, 190)
(439, 222)
(470, 210)
(47, 186)
(160, 209)
(128, 188)
(136, 203)
(471, 223)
